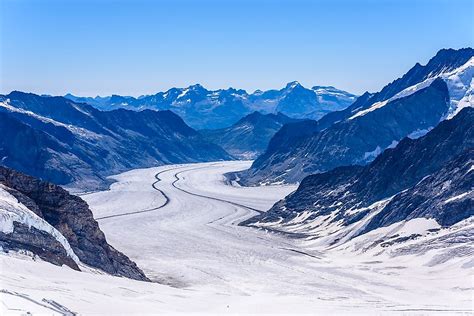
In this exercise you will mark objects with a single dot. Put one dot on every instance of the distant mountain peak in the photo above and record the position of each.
(254, 114)
(449, 59)
(197, 87)
(445, 52)
(293, 85)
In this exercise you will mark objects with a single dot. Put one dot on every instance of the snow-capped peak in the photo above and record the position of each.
(196, 87)
(460, 87)
(293, 85)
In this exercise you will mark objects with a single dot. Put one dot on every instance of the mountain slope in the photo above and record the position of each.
(205, 109)
(61, 141)
(446, 195)
(430, 177)
(58, 227)
(355, 141)
(379, 119)
(249, 136)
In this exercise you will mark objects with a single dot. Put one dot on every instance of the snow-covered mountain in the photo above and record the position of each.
(249, 137)
(45, 220)
(205, 109)
(426, 183)
(56, 139)
(409, 106)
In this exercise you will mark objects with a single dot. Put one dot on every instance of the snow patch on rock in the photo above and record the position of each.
(11, 210)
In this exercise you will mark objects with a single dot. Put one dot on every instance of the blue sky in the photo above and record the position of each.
(141, 47)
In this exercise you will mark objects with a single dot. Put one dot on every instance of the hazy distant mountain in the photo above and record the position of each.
(410, 105)
(249, 137)
(204, 109)
(61, 141)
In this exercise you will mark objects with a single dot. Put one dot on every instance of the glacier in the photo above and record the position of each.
(190, 243)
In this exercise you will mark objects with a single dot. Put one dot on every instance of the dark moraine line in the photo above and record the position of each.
(273, 230)
(167, 199)
(302, 252)
(50, 304)
(176, 176)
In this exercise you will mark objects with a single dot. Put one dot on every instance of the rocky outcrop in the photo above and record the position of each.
(71, 216)
(446, 195)
(38, 242)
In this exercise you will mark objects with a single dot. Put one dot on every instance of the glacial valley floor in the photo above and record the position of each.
(179, 223)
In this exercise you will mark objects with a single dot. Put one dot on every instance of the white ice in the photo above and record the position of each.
(206, 263)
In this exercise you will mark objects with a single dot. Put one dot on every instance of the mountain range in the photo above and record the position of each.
(249, 137)
(206, 109)
(65, 142)
(409, 106)
(388, 175)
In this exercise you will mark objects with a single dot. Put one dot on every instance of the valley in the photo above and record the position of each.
(179, 223)
(237, 158)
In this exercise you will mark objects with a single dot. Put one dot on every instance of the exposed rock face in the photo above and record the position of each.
(38, 242)
(421, 174)
(248, 137)
(446, 195)
(303, 148)
(57, 140)
(71, 216)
